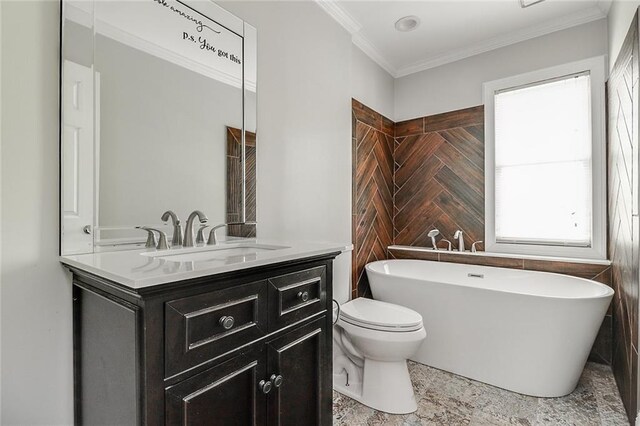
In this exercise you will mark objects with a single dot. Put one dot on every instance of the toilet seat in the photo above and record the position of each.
(382, 316)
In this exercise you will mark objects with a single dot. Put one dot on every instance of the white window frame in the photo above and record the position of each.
(596, 68)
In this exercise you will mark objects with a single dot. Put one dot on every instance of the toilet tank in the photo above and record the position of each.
(342, 278)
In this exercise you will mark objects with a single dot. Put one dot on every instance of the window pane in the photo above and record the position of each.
(543, 163)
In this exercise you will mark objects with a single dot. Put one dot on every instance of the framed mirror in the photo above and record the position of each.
(158, 112)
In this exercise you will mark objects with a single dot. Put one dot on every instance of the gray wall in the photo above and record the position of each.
(619, 18)
(35, 291)
(459, 84)
(371, 84)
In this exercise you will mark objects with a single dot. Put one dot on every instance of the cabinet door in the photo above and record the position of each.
(227, 394)
(302, 358)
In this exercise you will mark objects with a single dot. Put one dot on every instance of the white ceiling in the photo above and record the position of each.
(451, 30)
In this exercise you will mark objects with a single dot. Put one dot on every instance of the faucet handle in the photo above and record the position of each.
(162, 243)
(151, 237)
(448, 242)
(473, 246)
(213, 240)
(200, 236)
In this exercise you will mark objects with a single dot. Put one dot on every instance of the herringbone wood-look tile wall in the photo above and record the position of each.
(413, 176)
(439, 177)
(372, 192)
(623, 216)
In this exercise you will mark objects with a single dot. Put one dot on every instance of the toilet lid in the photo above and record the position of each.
(380, 315)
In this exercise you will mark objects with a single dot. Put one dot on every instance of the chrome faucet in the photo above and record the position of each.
(177, 227)
(213, 240)
(151, 239)
(473, 246)
(188, 229)
(458, 235)
(433, 234)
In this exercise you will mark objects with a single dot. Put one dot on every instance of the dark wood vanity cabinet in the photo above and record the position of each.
(252, 347)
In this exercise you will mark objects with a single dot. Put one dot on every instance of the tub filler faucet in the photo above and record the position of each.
(458, 235)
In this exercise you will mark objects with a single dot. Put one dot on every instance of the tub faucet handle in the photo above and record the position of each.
(473, 246)
(448, 244)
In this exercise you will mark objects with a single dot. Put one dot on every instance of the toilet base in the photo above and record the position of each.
(378, 378)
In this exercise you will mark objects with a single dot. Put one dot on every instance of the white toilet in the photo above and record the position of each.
(372, 341)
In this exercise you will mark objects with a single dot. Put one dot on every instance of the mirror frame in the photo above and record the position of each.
(210, 10)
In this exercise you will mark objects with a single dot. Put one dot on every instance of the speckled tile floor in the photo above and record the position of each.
(451, 400)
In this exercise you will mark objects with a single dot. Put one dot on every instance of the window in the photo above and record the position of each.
(544, 162)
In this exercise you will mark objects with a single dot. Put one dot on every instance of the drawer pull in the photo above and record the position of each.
(226, 322)
(303, 295)
(276, 380)
(264, 386)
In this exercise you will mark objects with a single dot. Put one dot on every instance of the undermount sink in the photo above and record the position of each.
(212, 253)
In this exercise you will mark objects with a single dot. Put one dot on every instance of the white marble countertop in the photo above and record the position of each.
(142, 268)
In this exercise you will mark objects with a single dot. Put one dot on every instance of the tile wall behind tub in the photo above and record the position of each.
(439, 177)
(623, 216)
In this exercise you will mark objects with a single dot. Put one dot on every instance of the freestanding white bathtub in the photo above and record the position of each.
(528, 332)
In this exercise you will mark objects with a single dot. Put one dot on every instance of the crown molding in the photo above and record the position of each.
(561, 23)
(340, 15)
(349, 23)
(370, 50)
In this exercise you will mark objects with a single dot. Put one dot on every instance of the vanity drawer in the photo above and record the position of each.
(294, 297)
(201, 327)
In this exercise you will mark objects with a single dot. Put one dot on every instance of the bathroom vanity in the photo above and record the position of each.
(250, 346)
(158, 111)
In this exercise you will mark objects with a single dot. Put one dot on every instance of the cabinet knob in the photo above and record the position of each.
(303, 295)
(226, 322)
(276, 380)
(264, 386)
